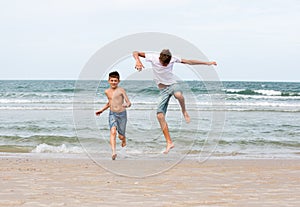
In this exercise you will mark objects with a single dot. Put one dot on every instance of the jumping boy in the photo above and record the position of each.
(117, 102)
(162, 66)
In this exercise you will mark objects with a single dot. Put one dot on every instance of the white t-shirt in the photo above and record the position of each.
(162, 74)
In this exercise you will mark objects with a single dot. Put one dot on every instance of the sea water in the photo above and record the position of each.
(256, 119)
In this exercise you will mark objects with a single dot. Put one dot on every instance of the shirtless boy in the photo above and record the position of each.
(162, 66)
(117, 102)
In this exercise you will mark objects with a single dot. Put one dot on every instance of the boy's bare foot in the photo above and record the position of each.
(123, 143)
(113, 157)
(169, 146)
(186, 117)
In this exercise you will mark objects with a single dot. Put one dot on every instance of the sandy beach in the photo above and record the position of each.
(44, 181)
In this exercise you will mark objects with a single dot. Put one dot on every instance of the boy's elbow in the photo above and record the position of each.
(185, 61)
(138, 54)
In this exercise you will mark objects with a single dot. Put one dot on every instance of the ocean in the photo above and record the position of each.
(254, 120)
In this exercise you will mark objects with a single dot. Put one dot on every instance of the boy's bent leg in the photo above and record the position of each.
(113, 133)
(123, 139)
(122, 121)
(180, 98)
(165, 130)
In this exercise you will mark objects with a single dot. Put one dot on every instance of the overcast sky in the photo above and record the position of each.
(255, 40)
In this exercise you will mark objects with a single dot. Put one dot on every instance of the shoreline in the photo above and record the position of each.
(106, 157)
(159, 156)
(44, 181)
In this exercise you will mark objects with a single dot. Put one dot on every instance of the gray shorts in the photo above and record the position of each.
(118, 120)
(164, 97)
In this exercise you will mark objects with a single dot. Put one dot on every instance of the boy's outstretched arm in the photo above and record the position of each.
(103, 109)
(138, 64)
(197, 62)
(127, 101)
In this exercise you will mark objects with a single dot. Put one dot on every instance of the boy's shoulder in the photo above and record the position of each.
(121, 89)
(107, 90)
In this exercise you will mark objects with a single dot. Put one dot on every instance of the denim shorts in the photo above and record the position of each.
(118, 120)
(164, 97)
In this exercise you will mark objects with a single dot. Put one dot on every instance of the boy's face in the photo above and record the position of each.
(113, 82)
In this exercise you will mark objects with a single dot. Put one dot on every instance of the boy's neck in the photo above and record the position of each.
(114, 88)
(164, 64)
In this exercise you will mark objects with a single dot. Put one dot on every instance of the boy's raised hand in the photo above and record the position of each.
(213, 63)
(139, 66)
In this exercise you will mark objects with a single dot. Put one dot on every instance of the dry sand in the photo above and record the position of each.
(34, 181)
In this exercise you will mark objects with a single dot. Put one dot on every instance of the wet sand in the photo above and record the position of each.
(35, 181)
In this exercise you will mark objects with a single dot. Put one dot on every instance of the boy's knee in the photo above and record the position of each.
(178, 95)
(113, 131)
(160, 116)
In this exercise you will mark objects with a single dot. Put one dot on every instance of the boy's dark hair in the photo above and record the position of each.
(165, 56)
(114, 74)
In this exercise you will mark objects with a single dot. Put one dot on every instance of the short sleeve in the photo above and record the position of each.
(176, 59)
(149, 57)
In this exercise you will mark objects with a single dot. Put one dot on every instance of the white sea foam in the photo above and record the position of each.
(232, 90)
(32, 101)
(45, 148)
(269, 92)
(263, 103)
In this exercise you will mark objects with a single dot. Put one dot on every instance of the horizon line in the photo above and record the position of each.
(229, 80)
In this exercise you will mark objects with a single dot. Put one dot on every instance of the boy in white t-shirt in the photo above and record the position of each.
(162, 66)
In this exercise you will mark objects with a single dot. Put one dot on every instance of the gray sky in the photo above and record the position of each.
(53, 39)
